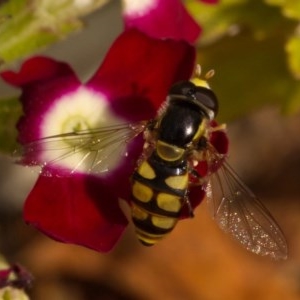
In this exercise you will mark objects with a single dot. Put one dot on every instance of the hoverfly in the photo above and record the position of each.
(175, 142)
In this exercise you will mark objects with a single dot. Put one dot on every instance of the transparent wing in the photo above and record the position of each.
(239, 212)
(87, 151)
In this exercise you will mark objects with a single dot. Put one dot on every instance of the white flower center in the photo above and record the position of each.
(75, 124)
(138, 8)
(79, 110)
(73, 119)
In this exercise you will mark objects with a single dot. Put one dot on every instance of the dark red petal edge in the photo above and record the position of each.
(138, 72)
(37, 69)
(77, 212)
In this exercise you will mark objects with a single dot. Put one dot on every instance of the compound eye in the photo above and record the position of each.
(207, 98)
(183, 88)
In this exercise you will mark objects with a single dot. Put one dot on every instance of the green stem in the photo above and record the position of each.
(26, 26)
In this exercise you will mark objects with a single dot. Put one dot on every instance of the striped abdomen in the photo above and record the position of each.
(158, 191)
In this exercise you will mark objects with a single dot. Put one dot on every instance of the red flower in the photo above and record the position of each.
(162, 19)
(130, 86)
(66, 203)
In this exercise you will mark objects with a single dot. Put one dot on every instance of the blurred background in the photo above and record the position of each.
(245, 42)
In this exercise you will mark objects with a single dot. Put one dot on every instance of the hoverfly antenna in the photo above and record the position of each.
(198, 71)
(210, 74)
(198, 81)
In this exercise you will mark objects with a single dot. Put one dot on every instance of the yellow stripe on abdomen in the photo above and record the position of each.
(158, 191)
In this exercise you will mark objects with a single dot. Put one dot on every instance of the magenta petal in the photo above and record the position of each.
(79, 209)
(42, 80)
(138, 71)
(165, 19)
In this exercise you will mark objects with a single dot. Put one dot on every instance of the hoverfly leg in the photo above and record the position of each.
(195, 179)
(186, 201)
(195, 175)
(150, 136)
(220, 127)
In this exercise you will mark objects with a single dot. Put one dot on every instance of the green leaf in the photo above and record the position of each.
(245, 42)
(293, 50)
(293, 105)
(230, 16)
(10, 111)
(28, 26)
(250, 74)
(290, 8)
